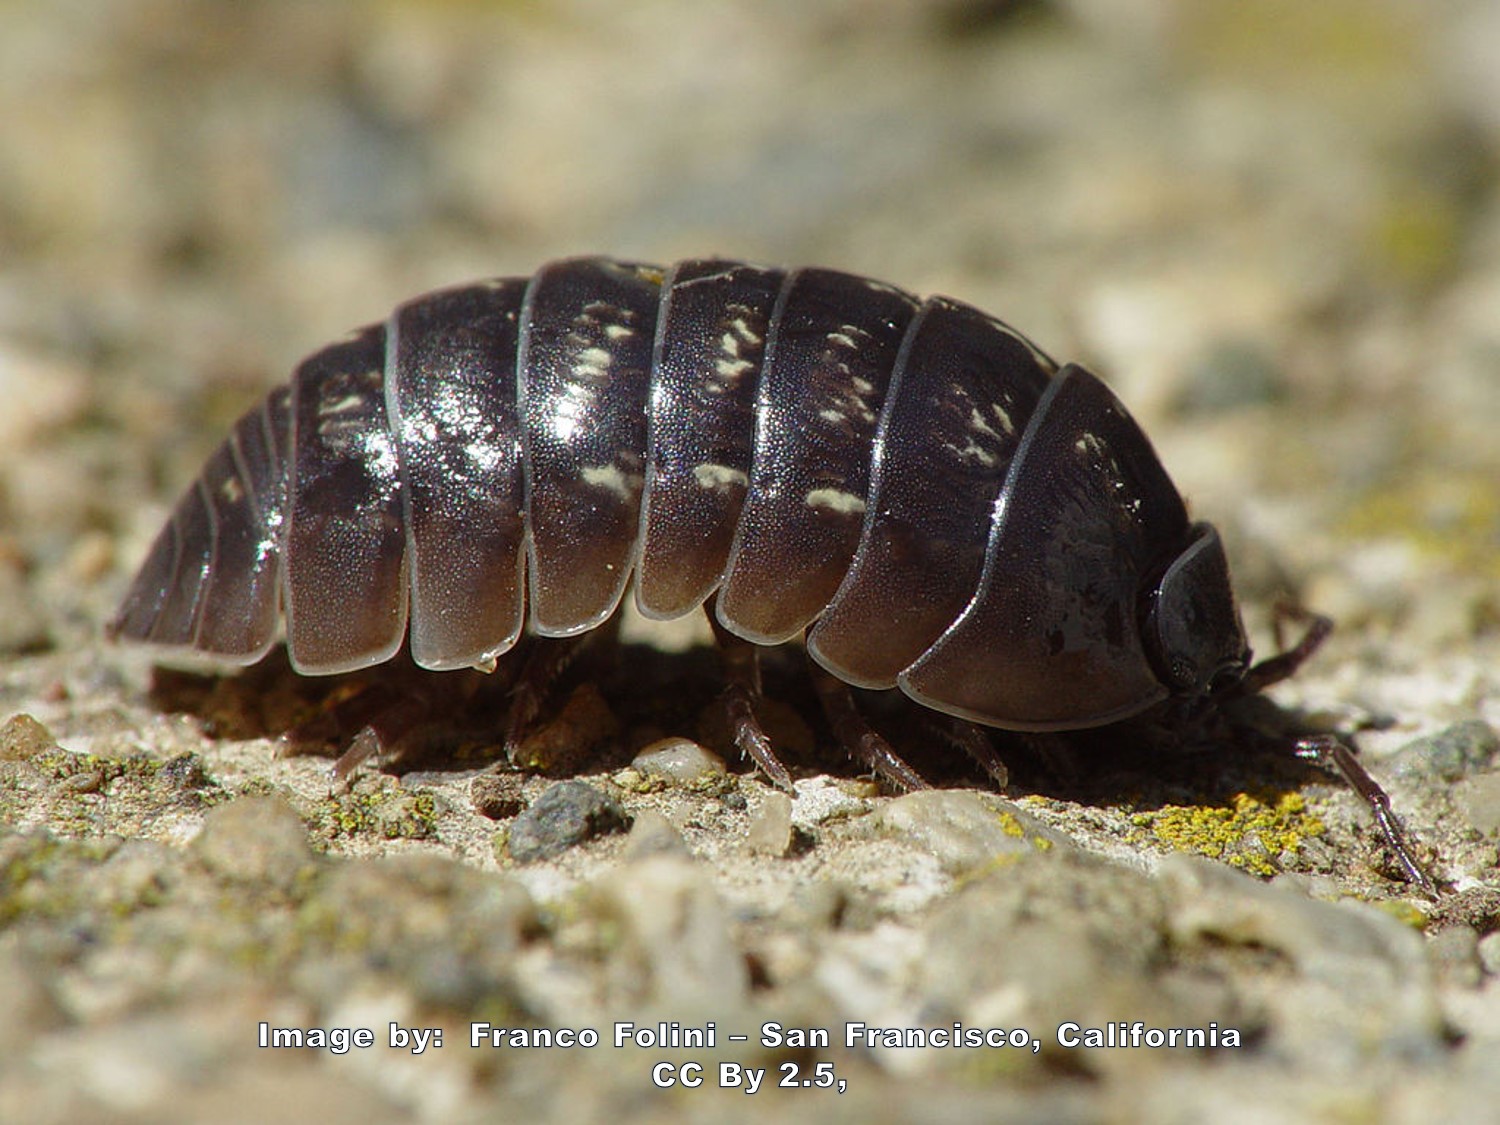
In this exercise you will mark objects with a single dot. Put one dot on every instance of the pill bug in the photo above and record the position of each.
(912, 484)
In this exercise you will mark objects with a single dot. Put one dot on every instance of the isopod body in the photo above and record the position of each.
(938, 504)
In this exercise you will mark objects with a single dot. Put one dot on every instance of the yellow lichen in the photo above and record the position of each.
(1248, 833)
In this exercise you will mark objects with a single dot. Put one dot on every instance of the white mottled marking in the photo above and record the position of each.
(741, 328)
(836, 500)
(355, 401)
(715, 477)
(379, 453)
(975, 453)
(831, 416)
(733, 370)
(979, 425)
(618, 331)
(1089, 444)
(594, 362)
(611, 479)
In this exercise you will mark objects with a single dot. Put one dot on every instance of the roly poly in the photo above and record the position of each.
(934, 501)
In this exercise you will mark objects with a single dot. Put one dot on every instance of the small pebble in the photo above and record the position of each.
(498, 796)
(680, 761)
(84, 781)
(566, 814)
(254, 840)
(770, 830)
(964, 829)
(652, 834)
(185, 772)
(1455, 751)
(23, 737)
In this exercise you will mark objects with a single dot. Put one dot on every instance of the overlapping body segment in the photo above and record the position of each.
(915, 481)
(451, 400)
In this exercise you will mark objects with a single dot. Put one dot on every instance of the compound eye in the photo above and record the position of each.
(1227, 676)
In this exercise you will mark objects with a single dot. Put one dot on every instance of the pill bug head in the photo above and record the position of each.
(1191, 626)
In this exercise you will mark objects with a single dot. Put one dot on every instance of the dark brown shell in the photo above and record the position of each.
(913, 483)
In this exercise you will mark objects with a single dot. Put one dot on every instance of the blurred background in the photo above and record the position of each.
(1274, 227)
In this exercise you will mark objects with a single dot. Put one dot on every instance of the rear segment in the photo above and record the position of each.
(1051, 638)
(212, 581)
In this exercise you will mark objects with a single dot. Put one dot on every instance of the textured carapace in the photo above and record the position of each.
(949, 510)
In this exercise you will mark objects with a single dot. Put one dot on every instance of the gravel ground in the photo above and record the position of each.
(1274, 226)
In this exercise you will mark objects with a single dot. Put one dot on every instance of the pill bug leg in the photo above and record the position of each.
(546, 660)
(1285, 663)
(376, 720)
(1329, 752)
(971, 739)
(742, 689)
(382, 733)
(1326, 750)
(858, 738)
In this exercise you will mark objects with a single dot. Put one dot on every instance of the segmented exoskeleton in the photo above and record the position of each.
(915, 485)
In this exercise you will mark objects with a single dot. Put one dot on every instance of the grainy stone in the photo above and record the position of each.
(257, 840)
(770, 831)
(965, 829)
(565, 815)
(186, 772)
(23, 737)
(675, 948)
(496, 795)
(680, 761)
(1454, 752)
(653, 834)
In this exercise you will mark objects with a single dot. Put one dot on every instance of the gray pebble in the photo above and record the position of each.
(965, 829)
(254, 840)
(653, 834)
(566, 814)
(1456, 751)
(1478, 801)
